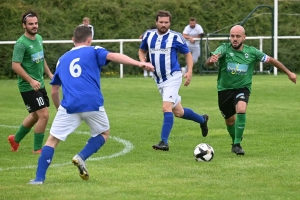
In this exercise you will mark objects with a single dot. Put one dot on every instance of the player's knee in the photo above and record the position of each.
(106, 134)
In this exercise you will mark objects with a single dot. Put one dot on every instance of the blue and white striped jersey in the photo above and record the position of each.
(78, 72)
(163, 51)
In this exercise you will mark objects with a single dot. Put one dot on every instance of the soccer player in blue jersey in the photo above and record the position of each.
(163, 45)
(78, 72)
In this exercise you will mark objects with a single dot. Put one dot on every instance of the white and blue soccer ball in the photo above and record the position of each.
(203, 152)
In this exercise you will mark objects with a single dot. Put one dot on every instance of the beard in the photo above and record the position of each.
(238, 46)
(162, 30)
(31, 31)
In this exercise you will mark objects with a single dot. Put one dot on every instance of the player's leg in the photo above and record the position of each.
(151, 74)
(63, 125)
(99, 127)
(168, 118)
(24, 129)
(189, 114)
(227, 109)
(41, 110)
(242, 98)
(169, 92)
(145, 73)
(195, 54)
(29, 99)
(45, 160)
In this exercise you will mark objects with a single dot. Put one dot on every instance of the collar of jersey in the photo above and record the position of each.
(79, 47)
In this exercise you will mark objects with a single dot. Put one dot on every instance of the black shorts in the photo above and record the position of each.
(35, 100)
(228, 99)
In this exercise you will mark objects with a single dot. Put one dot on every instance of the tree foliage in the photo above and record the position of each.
(128, 19)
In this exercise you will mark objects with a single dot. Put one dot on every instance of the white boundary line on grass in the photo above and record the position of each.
(128, 147)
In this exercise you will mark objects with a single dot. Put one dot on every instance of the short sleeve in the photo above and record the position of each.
(18, 53)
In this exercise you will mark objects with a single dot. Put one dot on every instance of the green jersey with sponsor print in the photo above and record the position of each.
(236, 67)
(30, 54)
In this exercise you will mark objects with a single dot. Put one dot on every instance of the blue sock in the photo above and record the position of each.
(92, 146)
(191, 115)
(167, 126)
(44, 162)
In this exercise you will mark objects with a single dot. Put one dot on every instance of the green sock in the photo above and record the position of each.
(231, 131)
(38, 141)
(239, 127)
(22, 132)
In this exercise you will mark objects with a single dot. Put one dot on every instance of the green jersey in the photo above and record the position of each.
(236, 67)
(30, 54)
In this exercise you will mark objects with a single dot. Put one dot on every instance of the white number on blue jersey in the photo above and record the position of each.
(75, 69)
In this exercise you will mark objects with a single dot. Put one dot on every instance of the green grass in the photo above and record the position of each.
(269, 170)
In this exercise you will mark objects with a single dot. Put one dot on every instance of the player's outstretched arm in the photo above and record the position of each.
(292, 76)
(121, 58)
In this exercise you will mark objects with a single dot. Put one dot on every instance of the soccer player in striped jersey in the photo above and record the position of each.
(163, 45)
(78, 72)
(236, 66)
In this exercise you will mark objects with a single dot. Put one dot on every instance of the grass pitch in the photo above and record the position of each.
(127, 168)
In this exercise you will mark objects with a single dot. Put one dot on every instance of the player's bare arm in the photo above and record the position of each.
(213, 59)
(47, 70)
(121, 58)
(142, 55)
(292, 76)
(189, 63)
(55, 95)
(18, 69)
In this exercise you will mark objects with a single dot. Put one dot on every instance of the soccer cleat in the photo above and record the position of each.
(37, 151)
(161, 146)
(35, 182)
(237, 149)
(203, 126)
(80, 164)
(14, 145)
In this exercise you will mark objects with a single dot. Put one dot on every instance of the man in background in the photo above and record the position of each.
(190, 33)
(86, 22)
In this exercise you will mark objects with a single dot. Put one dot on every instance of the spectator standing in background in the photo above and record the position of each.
(86, 22)
(190, 33)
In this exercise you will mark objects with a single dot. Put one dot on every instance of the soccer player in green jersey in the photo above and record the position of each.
(29, 64)
(236, 65)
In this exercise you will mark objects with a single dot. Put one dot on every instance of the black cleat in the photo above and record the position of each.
(237, 149)
(161, 146)
(203, 126)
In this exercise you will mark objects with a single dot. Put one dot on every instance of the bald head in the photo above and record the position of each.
(237, 37)
(238, 29)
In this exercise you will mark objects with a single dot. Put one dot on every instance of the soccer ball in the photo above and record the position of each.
(203, 152)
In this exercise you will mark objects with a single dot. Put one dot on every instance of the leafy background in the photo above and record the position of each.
(128, 19)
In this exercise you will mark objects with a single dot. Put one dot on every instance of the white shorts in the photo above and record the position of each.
(64, 123)
(170, 88)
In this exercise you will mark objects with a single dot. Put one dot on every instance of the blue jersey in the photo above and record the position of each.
(163, 51)
(78, 72)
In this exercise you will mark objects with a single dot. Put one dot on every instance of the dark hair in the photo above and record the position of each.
(28, 14)
(163, 13)
(193, 19)
(81, 34)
